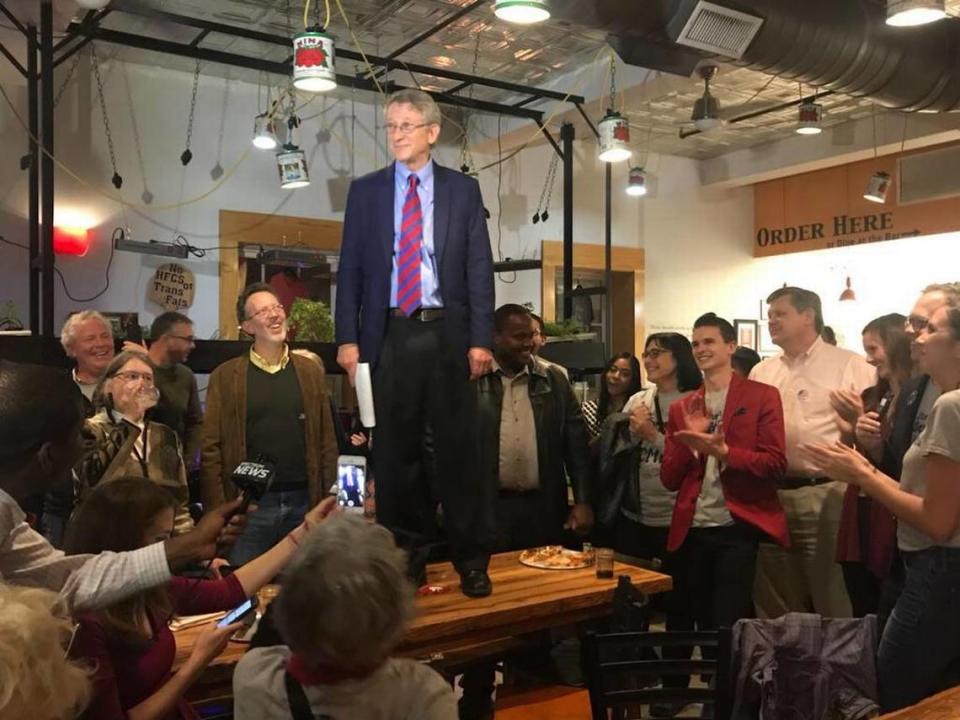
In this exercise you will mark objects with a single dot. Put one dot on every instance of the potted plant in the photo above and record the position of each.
(311, 321)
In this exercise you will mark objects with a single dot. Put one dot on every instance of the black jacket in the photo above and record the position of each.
(561, 434)
(901, 433)
(618, 463)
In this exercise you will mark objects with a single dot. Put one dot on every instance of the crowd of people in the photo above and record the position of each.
(817, 480)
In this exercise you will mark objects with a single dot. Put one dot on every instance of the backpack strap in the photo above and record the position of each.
(297, 698)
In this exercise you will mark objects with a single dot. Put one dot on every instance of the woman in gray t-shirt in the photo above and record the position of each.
(922, 637)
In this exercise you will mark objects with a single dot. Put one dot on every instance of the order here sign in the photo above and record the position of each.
(826, 209)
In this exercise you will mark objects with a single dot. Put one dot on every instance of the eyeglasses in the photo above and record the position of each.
(654, 354)
(269, 310)
(917, 323)
(132, 377)
(186, 338)
(403, 128)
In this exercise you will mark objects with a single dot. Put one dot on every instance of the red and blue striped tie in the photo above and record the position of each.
(411, 240)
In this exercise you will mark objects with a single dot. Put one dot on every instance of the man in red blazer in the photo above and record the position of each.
(723, 453)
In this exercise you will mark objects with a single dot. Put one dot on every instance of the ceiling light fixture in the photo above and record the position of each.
(521, 12)
(264, 132)
(313, 61)
(613, 130)
(706, 110)
(909, 13)
(637, 184)
(848, 294)
(879, 182)
(93, 4)
(877, 187)
(809, 118)
(292, 166)
(614, 137)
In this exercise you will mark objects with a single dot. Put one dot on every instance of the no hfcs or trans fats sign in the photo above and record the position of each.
(172, 287)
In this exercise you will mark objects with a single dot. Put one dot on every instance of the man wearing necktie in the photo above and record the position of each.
(415, 300)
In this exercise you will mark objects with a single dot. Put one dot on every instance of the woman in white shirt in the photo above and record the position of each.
(922, 637)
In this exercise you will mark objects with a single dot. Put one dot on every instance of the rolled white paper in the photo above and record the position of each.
(365, 396)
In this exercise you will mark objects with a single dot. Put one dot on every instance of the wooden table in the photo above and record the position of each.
(944, 706)
(524, 600)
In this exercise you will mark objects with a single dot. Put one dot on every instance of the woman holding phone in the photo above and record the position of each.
(130, 644)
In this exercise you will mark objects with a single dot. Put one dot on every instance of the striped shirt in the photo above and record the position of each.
(83, 581)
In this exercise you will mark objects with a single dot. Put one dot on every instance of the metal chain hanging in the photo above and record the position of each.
(186, 156)
(66, 80)
(613, 81)
(466, 157)
(293, 121)
(551, 181)
(117, 179)
(543, 209)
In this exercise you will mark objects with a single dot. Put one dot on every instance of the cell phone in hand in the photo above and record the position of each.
(351, 482)
(244, 612)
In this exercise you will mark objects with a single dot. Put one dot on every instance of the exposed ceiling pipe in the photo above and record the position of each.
(848, 48)
(839, 45)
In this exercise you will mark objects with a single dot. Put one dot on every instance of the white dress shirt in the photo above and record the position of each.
(805, 383)
(83, 581)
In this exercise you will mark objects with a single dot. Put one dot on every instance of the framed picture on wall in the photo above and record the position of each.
(767, 348)
(747, 333)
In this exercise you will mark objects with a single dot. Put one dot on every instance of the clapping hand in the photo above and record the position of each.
(695, 416)
(641, 423)
(839, 462)
(848, 407)
(705, 443)
(847, 404)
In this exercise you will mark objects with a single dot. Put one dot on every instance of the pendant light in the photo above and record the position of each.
(264, 133)
(637, 184)
(291, 160)
(848, 294)
(292, 166)
(313, 61)
(809, 119)
(614, 138)
(521, 12)
(879, 182)
(614, 130)
(909, 13)
(877, 187)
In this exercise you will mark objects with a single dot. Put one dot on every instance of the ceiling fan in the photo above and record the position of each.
(708, 114)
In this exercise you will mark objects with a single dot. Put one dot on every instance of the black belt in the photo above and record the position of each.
(792, 482)
(420, 314)
(510, 492)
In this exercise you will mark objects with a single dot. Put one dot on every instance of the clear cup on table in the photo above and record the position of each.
(604, 563)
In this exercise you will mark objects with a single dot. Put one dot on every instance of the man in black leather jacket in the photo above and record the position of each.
(530, 469)
(531, 437)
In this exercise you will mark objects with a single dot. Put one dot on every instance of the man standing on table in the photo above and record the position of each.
(415, 300)
(805, 576)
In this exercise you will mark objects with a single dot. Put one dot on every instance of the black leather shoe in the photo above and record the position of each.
(476, 584)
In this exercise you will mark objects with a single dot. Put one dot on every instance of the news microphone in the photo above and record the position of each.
(252, 479)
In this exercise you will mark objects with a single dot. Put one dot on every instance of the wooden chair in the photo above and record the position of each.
(619, 672)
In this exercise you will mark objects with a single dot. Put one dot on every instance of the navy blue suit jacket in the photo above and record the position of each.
(462, 250)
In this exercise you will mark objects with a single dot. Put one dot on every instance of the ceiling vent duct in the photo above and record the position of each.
(717, 29)
(847, 47)
(929, 175)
